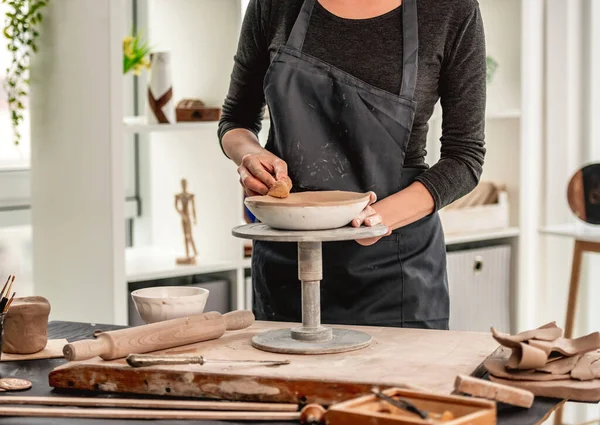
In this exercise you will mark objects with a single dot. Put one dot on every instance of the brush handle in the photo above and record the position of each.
(158, 336)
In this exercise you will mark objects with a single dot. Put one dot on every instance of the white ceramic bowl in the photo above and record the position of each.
(169, 302)
(308, 210)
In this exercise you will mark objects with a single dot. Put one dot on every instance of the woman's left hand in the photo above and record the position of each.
(369, 217)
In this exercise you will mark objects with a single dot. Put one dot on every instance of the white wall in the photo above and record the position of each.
(77, 162)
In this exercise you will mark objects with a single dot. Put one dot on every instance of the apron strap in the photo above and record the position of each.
(298, 34)
(410, 48)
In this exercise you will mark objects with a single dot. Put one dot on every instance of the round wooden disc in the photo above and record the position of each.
(258, 231)
(583, 193)
(14, 384)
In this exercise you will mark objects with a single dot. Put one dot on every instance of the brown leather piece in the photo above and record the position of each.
(497, 367)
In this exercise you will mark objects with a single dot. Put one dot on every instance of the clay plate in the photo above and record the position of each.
(308, 210)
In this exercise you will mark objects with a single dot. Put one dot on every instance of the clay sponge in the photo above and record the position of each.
(281, 188)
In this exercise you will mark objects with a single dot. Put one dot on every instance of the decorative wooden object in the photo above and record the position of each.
(493, 391)
(195, 110)
(396, 357)
(26, 326)
(158, 336)
(370, 410)
(161, 108)
(53, 350)
(186, 207)
(149, 404)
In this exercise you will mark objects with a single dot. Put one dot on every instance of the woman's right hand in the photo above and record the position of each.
(259, 172)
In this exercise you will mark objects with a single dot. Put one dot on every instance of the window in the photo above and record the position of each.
(11, 156)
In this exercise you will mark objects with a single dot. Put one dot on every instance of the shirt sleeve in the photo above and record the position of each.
(244, 104)
(463, 98)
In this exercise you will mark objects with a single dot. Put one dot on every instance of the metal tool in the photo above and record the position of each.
(401, 404)
(142, 360)
(409, 407)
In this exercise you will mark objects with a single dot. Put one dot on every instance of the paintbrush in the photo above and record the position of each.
(5, 296)
(4, 287)
(9, 303)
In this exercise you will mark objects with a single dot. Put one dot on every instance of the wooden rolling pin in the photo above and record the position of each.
(158, 336)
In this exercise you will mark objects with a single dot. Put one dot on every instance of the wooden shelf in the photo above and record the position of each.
(486, 235)
(150, 263)
(139, 125)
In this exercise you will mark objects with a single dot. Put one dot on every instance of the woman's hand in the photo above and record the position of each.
(369, 217)
(259, 172)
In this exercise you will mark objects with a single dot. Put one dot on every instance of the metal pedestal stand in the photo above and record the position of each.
(311, 337)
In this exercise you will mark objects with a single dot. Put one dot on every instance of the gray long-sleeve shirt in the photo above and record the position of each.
(452, 69)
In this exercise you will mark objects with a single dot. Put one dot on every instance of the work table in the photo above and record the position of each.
(37, 372)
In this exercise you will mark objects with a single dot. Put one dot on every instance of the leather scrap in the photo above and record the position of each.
(547, 332)
(587, 367)
(569, 347)
(560, 366)
(497, 367)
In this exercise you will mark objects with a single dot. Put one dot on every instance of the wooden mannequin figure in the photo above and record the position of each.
(185, 206)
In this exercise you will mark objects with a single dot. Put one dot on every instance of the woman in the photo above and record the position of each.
(350, 86)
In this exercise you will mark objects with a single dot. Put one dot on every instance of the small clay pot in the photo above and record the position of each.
(26, 326)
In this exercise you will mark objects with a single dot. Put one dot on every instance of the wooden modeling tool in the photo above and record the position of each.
(492, 391)
(158, 336)
(103, 413)
(144, 360)
(149, 404)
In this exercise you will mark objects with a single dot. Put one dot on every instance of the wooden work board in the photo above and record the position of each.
(397, 357)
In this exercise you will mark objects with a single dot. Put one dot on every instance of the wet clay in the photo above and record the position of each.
(548, 332)
(26, 326)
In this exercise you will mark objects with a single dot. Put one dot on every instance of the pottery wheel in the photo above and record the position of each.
(311, 337)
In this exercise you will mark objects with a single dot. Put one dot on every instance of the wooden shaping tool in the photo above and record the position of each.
(158, 336)
(149, 404)
(492, 391)
(102, 413)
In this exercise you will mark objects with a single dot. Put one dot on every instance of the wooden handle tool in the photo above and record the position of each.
(493, 391)
(158, 336)
(143, 360)
(103, 413)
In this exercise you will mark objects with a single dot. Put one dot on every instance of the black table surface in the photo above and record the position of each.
(37, 372)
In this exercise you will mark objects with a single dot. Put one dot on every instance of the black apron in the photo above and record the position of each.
(337, 132)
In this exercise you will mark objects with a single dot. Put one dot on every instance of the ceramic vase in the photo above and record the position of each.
(160, 104)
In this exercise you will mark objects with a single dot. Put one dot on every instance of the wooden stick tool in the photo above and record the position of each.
(143, 360)
(137, 403)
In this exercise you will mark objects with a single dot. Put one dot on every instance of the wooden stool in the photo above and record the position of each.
(587, 239)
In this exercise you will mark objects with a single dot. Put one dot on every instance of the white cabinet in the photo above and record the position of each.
(479, 283)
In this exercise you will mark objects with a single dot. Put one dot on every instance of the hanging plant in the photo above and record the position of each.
(491, 65)
(21, 31)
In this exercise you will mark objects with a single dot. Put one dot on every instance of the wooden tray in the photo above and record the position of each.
(370, 410)
(396, 357)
